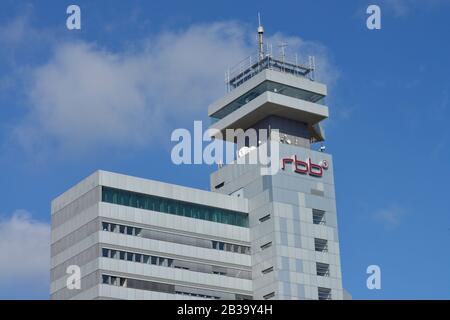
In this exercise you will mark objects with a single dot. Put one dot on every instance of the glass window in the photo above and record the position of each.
(113, 227)
(105, 279)
(137, 231)
(122, 255)
(130, 256)
(138, 257)
(105, 226)
(105, 253)
(171, 206)
(129, 230)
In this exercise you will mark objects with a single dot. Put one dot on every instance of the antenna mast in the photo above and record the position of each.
(260, 39)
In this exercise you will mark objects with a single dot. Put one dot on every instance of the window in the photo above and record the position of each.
(113, 227)
(180, 267)
(105, 226)
(130, 256)
(269, 296)
(320, 245)
(220, 185)
(323, 269)
(264, 87)
(171, 206)
(162, 262)
(218, 245)
(324, 293)
(265, 218)
(245, 250)
(129, 231)
(105, 279)
(318, 216)
(268, 270)
(267, 245)
(171, 263)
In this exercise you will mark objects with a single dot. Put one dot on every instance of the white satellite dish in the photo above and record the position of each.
(245, 150)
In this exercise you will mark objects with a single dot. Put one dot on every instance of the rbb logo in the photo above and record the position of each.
(305, 167)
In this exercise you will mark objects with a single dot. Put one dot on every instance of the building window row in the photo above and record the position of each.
(321, 245)
(150, 286)
(265, 87)
(198, 295)
(175, 238)
(174, 263)
(171, 206)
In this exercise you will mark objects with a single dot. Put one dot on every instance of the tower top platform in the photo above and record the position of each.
(273, 93)
(252, 65)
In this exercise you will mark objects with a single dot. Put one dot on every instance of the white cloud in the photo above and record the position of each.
(25, 250)
(403, 8)
(390, 217)
(86, 96)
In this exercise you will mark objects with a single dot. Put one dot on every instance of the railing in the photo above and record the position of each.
(252, 65)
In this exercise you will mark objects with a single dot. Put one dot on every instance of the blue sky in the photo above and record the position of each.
(108, 96)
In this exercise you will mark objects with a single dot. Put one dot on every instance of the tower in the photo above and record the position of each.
(292, 213)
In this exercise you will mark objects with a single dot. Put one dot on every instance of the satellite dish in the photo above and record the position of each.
(245, 150)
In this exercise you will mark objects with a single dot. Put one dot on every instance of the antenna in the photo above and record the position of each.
(283, 46)
(260, 38)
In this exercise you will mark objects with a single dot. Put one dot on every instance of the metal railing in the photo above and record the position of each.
(252, 65)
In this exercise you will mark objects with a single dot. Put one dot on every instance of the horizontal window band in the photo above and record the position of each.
(172, 206)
